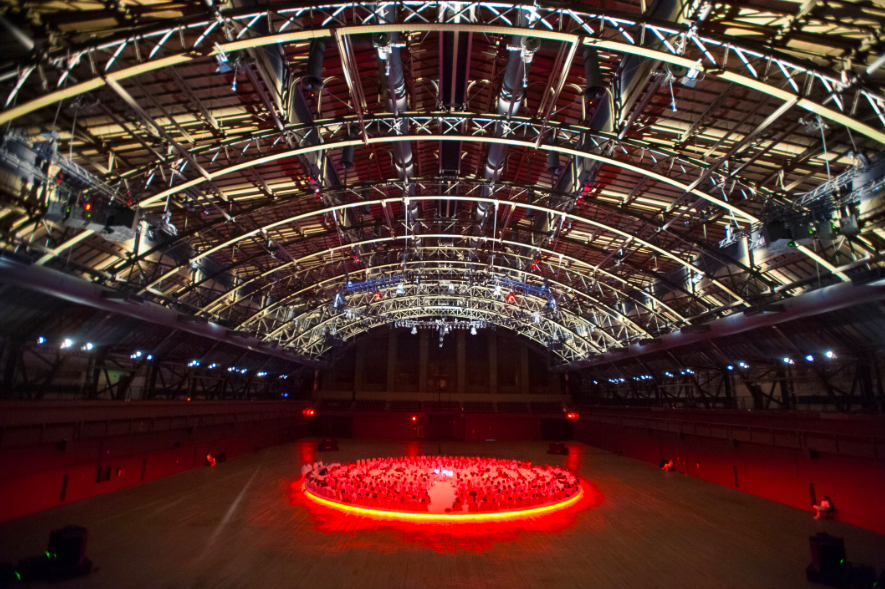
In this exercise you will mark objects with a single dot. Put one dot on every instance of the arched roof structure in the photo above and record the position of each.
(624, 161)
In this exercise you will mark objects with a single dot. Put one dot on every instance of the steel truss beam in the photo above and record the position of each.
(824, 300)
(510, 191)
(473, 302)
(426, 17)
(627, 327)
(339, 279)
(342, 142)
(572, 263)
(747, 217)
(76, 290)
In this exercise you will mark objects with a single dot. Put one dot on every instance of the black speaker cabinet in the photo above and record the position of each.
(328, 445)
(827, 560)
(557, 448)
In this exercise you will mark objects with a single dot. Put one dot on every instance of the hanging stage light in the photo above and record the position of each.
(377, 295)
(473, 330)
(511, 298)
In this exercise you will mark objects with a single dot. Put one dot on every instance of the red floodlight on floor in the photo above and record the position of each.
(572, 416)
(414, 418)
(308, 412)
(511, 298)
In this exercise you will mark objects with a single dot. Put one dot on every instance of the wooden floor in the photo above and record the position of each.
(236, 525)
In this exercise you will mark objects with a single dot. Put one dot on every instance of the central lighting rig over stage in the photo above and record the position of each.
(444, 300)
(441, 325)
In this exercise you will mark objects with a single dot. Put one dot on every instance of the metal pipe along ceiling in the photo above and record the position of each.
(397, 102)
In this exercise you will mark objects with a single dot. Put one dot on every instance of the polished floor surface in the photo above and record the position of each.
(238, 525)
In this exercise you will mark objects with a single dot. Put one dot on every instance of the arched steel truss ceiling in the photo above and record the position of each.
(515, 142)
(745, 216)
(340, 144)
(554, 212)
(498, 312)
(562, 214)
(540, 193)
(321, 254)
(829, 80)
(502, 272)
(567, 135)
(216, 305)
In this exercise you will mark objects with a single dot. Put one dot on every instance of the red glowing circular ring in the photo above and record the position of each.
(452, 516)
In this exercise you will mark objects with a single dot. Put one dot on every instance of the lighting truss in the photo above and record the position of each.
(613, 32)
(580, 337)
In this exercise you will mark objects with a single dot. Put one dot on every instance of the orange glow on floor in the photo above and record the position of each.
(444, 517)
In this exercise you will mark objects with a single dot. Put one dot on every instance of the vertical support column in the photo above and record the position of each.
(553, 385)
(493, 363)
(359, 364)
(422, 360)
(391, 359)
(523, 368)
(462, 361)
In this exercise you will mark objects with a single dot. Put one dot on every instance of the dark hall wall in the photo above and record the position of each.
(52, 453)
(784, 458)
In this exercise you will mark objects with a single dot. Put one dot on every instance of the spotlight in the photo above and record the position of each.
(414, 330)
(472, 331)
(401, 289)
(377, 295)
(149, 357)
(308, 412)
(743, 365)
(87, 347)
(809, 358)
(42, 340)
(497, 290)
(511, 298)
(572, 416)
(414, 418)
(788, 360)
(66, 343)
(285, 394)
(831, 354)
(730, 367)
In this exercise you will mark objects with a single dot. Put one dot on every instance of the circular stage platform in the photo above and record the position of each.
(443, 488)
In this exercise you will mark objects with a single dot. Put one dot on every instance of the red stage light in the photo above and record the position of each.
(377, 296)
(308, 412)
(88, 206)
(511, 298)
(414, 418)
(572, 416)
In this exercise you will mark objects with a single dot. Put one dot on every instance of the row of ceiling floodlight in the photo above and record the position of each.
(68, 343)
(829, 354)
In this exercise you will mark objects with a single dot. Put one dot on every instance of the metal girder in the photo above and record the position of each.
(76, 290)
(571, 217)
(217, 305)
(504, 190)
(824, 300)
(448, 271)
(65, 63)
(309, 331)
